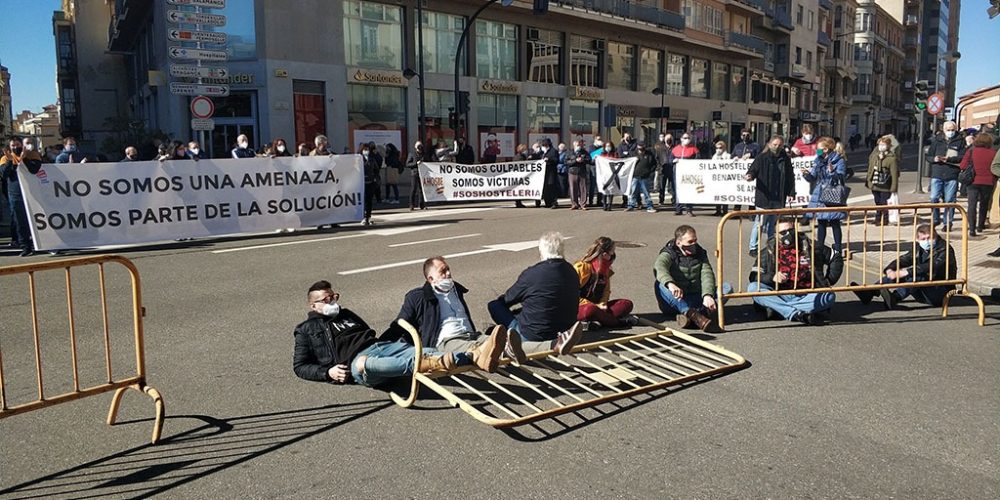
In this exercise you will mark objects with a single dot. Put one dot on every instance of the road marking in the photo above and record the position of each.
(389, 231)
(392, 231)
(435, 240)
(423, 214)
(507, 247)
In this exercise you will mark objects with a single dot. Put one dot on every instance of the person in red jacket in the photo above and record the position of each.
(980, 157)
(805, 145)
(686, 150)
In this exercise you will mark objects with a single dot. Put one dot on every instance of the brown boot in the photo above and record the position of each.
(487, 355)
(683, 321)
(436, 363)
(702, 322)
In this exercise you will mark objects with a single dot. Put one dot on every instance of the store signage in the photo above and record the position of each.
(810, 116)
(185, 71)
(202, 124)
(626, 111)
(210, 4)
(585, 93)
(176, 35)
(193, 89)
(176, 16)
(197, 54)
(235, 79)
(499, 87)
(378, 77)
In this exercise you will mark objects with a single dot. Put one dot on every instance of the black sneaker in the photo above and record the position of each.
(995, 253)
(890, 298)
(27, 252)
(865, 296)
(753, 253)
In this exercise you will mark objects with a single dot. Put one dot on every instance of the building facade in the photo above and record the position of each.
(6, 113)
(839, 71)
(877, 106)
(979, 108)
(44, 126)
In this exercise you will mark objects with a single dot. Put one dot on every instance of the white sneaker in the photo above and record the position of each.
(651, 210)
(514, 349)
(365, 222)
(565, 341)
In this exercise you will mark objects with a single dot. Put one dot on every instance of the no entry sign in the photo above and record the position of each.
(935, 103)
(202, 107)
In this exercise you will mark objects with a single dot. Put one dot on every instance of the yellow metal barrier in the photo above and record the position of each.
(857, 215)
(137, 382)
(592, 374)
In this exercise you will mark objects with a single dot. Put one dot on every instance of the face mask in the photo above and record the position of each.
(719, 151)
(746, 138)
(787, 237)
(195, 151)
(607, 150)
(281, 149)
(819, 151)
(807, 137)
(70, 149)
(29, 147)
(685, 141)
(688, 249)
(244, 145)
(949, 133)
(18, 151)
(445, 285)
(774, 149)
(925, 244)
(883, 148)
(332, 309)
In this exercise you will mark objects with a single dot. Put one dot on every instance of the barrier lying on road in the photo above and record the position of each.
(137, 381)
(592, 374)
(893, 239)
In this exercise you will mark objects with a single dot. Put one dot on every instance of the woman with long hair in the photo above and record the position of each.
(828, 169)
(594, 271)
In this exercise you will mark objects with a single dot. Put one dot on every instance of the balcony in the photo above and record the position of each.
(744, 41)
(824, 40)
(826, 4)
(756, 5)
(793, 71)
(782, 19)
(662, 18)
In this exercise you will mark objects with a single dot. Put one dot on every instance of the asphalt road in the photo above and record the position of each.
(877, 404)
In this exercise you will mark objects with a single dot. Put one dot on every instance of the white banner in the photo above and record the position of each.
(614, 175)
(516, 180)
(714, 182)
(96, 204)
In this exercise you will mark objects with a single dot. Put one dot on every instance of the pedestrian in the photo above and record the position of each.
(521, 154)
(995, 169)
(684, 281)
(242, 149)
(746, 149)
(178, 151)
(70, 153)
(491, 149)
(195, 152)
(721, 153)
(579, 163)
(563, 169)
(828, 170)
(980, 158)
(666, 183)
(933, 260)
(131, 154)
(464, 154)
(322, 146)
(550, 191)
(280, 148)
(371, 166)
(413, 161)
(806, 144)
(883, 177)
(627, 146)
(15, 157)
(393, 168)
(594, 272)
(683, 151)
(945, 152)
(606, 200)
(642, 176)
(775, 178)
(303, 150)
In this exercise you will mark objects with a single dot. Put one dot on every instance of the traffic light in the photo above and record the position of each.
(541, 6)
(453, 120)
(920, 95)
(463, 102)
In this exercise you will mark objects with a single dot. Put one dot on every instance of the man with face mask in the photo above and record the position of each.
(806, 144)
(371, 165)
(746, 149)
(413, 161)
(775, 178)
(242, 149)
(15, 157)
(464, 153)
(195, 152)
(335, 345)
(933, 260)
(945, 153)
(439, 312)
(791, 261)
(685, 282)
(665, 183)
(70, 153)
(131, 154)
(550, 191)
(322, 146)
(686, 150)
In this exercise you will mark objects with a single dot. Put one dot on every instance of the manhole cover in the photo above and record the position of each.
(629, 244)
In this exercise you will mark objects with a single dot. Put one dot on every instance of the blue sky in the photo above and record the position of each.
(28, 49)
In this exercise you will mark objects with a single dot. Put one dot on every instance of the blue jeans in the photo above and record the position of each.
(767, 221)
(385, 361)
(19, 230)
(640, 187)
(788, 305)
(931, 295)
(670, 305)
(943, 191)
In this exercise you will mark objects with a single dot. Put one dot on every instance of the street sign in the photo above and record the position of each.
(187, 71)
(211, 4)
(202, 124)
(935, 103)
(202, 107)
(177, 35)
(199, 54)
(193, 89)
(176, 16)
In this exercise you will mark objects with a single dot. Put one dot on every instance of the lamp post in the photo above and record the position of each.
(660, 124)
(458, 61)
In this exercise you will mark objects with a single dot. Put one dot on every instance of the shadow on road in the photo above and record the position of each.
(213, 446)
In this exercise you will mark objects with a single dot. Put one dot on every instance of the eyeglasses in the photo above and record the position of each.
(327, 299)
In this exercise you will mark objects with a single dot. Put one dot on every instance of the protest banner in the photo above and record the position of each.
(614, 175)
(723, 182)
(97, 204)
(514, 180)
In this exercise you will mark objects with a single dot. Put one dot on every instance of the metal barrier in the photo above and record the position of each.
(882, 245)
(592, 374)
(137, 382)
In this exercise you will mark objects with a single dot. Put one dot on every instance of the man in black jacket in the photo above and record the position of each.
(550, 191)
(934, 260)
(945, 152)
(792, 261)
(413, 161)
(642, 178)
(15, 157)
(775, 178)
(335, 345)
(439, 311)
(548, 293)
(464, 153)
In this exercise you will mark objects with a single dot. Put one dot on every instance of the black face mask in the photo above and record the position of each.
(746, 138)
(787, 237)
(689, 249)
(18, 151)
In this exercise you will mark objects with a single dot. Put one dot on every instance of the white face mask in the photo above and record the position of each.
(445, 285)
(949, 133)
(281, 149)
(883, 148)
(195, 151)
(925, 244)
(29, 147)
(244, 145)
(807, 137)
(332, 309)
(719, 150)
(685, 141)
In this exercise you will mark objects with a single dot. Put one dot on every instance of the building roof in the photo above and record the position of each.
(978, 93)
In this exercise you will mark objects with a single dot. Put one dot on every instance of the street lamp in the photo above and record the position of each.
(659, 91)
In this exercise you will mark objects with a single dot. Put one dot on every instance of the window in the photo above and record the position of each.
(441, 35)
(584, 118)
(699, 78)
(371, 107)
(650, 69)
(544, 118)
(436, 103)
(782, 54)
(738, 85)
(702, 17)
(809, 59)
(676, 65)
(837, 14)
(544, 51)
(496, 50)
(373, 35)
(497, 127)
(798, 55)
(798, 14)
(621, 66)
(811, 21)
(585, 67)
(720, 81)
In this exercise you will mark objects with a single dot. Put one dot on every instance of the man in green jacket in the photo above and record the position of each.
(685, 281)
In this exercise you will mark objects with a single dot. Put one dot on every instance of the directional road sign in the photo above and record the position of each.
(176, 16)
(202, 107)
(202, 124)
(199, 54)
(211, 4)
(177, 35)
(194, 89)
(935, 103)
(188, 71)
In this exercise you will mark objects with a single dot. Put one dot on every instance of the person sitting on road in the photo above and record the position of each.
(594, 271)
(335, 345)
(685, 281)
(548, 295)
(932, 254)
(791, 261)
(439, 311)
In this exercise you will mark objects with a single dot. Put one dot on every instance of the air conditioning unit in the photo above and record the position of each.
(532, 34)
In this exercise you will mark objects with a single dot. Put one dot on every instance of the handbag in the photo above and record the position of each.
(968, 176)
(835, 193)
(881, 178)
